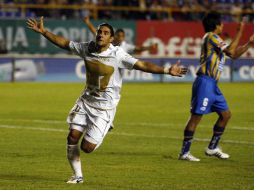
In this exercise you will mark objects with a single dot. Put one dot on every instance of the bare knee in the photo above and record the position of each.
(73, 137)
(193, 122)
(72, 140)
(225, 116)
(87, 147)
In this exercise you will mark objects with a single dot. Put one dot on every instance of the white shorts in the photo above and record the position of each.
(95, 123)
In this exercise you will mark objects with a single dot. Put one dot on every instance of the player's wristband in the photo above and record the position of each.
(166, 70)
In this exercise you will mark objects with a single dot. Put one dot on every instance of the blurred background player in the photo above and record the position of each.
(119, 40)
(95, 109)
(206, 96)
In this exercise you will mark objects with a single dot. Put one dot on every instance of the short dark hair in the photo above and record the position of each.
(112, 33)
(120, 30)
(211, 20)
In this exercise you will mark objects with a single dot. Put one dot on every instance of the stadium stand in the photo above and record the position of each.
(178, 10)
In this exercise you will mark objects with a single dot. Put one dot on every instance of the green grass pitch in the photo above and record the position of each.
(140, 153)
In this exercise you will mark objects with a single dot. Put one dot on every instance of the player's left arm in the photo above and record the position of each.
(174, 70)
(139, 49)
(242, 49)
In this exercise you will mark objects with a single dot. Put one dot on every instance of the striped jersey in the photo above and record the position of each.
(212, 57)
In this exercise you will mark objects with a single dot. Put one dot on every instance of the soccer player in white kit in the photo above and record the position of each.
(95, 109)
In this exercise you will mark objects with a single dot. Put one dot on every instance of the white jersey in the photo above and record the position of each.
(129, 48)
(104, 73)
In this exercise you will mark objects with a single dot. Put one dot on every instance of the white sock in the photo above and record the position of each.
(73, 156)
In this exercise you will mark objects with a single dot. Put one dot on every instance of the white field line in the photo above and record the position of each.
(122, 134)
(125, 124)
(32, 128)
(36, 121)
(179, 125)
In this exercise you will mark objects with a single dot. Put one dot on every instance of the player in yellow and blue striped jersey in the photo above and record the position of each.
(206, 96)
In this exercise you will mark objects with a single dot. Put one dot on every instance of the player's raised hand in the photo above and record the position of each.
(36, 26)
(86, 19)
(90, 25)
(242, 23)
(177, 70)
(251, 40)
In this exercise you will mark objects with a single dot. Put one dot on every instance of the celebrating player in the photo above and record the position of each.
(95, 109)
(119, 39)
(206, 96)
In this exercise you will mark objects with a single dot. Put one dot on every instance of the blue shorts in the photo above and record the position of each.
(206, 96)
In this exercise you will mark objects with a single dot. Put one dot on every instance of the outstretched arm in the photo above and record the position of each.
(231, 50)
(174, 70)
(91, 27)
(144, 48)
(39, 27)
(242, 49)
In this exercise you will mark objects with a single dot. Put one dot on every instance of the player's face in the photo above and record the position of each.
(220, 28)
(119, 38)
(103, 36)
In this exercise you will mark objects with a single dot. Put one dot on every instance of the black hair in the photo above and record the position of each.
(120, 30)
(112, 33)
(211, 20)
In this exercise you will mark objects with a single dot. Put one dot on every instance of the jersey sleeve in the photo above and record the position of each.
(126, 61)
(217, 42)
(78, 48)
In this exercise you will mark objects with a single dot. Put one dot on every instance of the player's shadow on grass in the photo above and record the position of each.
(169, 157)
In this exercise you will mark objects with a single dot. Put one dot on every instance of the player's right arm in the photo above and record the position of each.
(174, 70)
(91, 27)
(39, 27)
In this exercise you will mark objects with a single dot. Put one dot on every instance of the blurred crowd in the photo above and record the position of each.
(187, 10)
